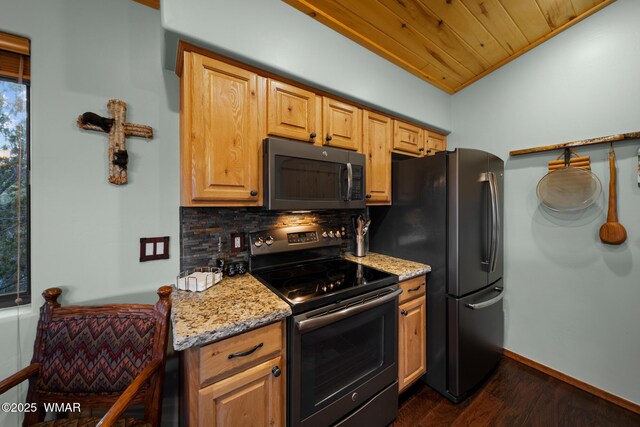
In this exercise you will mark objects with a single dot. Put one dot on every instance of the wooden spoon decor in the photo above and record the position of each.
(612, 232)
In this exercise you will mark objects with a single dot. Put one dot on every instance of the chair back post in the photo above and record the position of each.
(50, 296)
(153, 403)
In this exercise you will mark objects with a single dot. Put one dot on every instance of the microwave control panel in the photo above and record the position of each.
(358, 184)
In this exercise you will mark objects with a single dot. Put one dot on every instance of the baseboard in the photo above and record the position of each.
(626, 404)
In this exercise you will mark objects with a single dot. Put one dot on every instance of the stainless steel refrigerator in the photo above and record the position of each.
(447, 212)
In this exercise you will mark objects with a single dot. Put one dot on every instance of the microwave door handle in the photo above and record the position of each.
(349, 181)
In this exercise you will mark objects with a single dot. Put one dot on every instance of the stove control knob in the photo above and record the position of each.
(338, 235)
(269, 240)
(324, 234)
(258, 242)
(331, 234)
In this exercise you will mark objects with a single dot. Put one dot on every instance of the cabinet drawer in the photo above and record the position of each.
(412, 288)
(214, 358)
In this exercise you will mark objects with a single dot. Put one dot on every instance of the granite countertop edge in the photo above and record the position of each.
(402, 268)
(227, 331)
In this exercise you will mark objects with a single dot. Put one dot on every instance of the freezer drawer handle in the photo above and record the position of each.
(488, 303)
(326, 319)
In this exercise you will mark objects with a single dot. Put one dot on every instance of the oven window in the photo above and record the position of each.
(305, 179)
(341, 356)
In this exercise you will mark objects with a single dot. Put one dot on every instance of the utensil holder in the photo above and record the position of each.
(360, 249)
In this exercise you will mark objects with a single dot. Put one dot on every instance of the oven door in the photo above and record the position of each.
(299, 176)
(341, 356)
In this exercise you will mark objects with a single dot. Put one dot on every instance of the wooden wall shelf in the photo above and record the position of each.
(592, 141)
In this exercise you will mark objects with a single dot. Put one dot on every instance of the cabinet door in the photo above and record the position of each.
(435, 142)
(377, 137)
(220, 137)
(407, 139)
(250, 398)
(291, 112)
(341, 125)
(412, 342)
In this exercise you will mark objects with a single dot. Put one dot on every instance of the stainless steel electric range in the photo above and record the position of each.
(342, 337)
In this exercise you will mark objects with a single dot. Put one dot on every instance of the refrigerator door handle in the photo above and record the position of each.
(495, 220)
(488, 303)
(493, 241)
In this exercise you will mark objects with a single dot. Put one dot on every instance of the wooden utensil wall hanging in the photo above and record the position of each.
(118, 130)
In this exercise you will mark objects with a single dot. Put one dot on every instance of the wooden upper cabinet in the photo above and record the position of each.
(377, 131)
(435, 142)
(407, 138)
(341, 125)
(220, 134)
(291, 112)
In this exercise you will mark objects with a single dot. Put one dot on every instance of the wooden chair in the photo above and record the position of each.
(108, 356)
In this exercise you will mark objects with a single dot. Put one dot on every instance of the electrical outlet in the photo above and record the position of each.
(152, 248)
(237, 242)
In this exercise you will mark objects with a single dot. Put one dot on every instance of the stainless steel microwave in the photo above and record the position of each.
(300, 176)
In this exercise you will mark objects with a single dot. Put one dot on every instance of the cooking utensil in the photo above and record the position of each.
(569, 188)
(612, 232)
(365, 228)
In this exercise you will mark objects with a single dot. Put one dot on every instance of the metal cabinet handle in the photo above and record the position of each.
(368, 196)
(253, 193)
(245, 353)
(312, 136)
(404, 312)
(415, 289)
(329, 137)
(276, 371)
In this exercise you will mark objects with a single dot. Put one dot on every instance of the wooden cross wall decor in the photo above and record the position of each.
(118, 130)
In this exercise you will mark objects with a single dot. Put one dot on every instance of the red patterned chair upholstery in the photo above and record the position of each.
(108, 356)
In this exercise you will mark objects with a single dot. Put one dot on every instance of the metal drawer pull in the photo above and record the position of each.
(485, 304)
(404, 312)
(326, 319)
(276, 371)
(246, 352)
(415, 289)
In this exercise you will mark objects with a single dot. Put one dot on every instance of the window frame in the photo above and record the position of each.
(8, 300)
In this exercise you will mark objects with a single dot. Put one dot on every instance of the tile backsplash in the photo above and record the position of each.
(200, 229)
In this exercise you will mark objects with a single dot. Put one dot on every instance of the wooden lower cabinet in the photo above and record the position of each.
(239, 381)
(412, 337)
(249, 398)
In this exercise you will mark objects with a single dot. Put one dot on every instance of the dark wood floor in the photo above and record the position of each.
(516, 395)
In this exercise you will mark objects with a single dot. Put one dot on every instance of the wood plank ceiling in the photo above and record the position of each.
(449, 43)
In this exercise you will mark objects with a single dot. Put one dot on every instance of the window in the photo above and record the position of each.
(14, 171)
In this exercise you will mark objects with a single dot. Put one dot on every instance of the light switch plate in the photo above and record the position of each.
(152, 248)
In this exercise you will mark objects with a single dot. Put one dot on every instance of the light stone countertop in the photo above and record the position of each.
(241, 303)
(402, 268)
(234, 305)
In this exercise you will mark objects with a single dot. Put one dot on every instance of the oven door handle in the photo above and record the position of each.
(320, 321)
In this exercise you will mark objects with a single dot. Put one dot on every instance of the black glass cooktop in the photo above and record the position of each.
(315, 284)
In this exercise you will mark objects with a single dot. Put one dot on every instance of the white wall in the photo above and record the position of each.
(274, 36)
(572, 302)
(85, 231)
